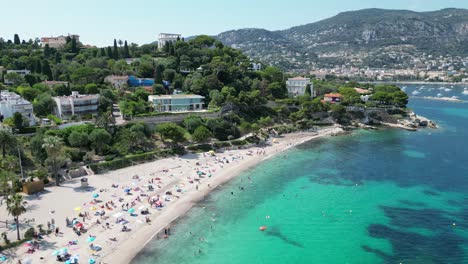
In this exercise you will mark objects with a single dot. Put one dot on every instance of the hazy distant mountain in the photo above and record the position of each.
(369, 37)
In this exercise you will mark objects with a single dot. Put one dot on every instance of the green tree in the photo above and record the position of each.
(171, 131)
(201, 134)
(43, 104)
(158, 73)
(78, 139)
(46, 69)
(15, 206)
(53, 146)
(47, 51)
(399, 98)
(99, 138)
(105, 120)
(349, 96)
(191, 122)
(74, 46)
(14, 78)
(7, 141)
(18, 120)
(169, 74)
(126, 51)
(35, 145)
(158, 89)
(115, 52)
(277, 90)
(16, 39)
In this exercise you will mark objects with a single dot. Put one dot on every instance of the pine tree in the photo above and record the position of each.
(74, 48)
(126, 51)
(158, 74)
(115, 51)
(47, 50)
(46, 69)
(109, 52)
(16, 40)
(103, 52)
(58, 59)
(38, 66)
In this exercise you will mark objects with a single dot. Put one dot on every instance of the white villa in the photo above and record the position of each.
(297, 86)
(163, 38)
(176, 102)
(76, 104)
(11, 103)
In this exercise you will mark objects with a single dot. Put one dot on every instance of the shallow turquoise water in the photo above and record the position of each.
(371, 197)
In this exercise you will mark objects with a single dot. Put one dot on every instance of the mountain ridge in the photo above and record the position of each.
(329, 42)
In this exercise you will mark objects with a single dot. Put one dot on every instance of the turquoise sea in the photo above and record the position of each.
(386, 196)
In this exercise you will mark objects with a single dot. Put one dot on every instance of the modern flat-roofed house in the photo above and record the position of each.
(177, 102)
(57, 42)
(10, 103)
(137, 82)
(51, 84)
(21, 73)
(297, 86)
(332, 98)
(163, 38)
(117, 81)
(76, 104)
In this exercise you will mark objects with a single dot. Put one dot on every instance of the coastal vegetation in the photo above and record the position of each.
(244, 101)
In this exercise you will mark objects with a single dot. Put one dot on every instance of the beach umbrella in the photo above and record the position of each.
(90, 239)
(74, 259)
(127, 190)
(79, 225)
(95, 195)
(77, 209)
(27, 244)
(91, 261)
(3, 258)
(131, 210)
(56, 252)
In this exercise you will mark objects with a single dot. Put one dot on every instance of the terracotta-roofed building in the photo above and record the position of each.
(332, 98)
(361, 91)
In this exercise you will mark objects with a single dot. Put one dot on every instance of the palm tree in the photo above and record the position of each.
(15, 207)
(7, 140)
(54, 148)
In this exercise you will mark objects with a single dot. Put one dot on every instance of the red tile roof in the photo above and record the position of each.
(331, 95)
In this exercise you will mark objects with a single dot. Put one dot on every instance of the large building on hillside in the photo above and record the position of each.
(176, 102)
(10, 103)
(76, 104)
(297, 86)
(163, 38)
(57, 42)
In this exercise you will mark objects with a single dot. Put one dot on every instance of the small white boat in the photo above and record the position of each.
(447, 90)
(439, 95)
(415, 93)
(465, 92)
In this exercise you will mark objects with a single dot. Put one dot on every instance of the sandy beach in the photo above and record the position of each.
(114, 201)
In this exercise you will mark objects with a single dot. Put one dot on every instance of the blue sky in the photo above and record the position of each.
(98, 22)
